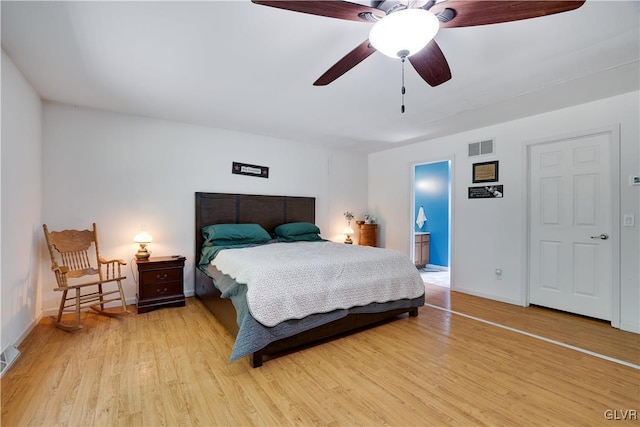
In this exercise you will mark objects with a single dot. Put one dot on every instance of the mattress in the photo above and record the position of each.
(294, 280)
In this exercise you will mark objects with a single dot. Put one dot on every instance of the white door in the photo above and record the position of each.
(570, 266)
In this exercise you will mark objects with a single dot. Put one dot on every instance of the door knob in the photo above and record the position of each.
(601, 237)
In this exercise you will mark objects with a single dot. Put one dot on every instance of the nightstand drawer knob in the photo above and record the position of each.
(161, 291)
(159, 277)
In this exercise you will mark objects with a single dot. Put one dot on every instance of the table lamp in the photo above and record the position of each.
(143, 238)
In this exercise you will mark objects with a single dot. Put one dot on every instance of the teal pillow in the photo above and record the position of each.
(234, 234)
(307, 237)
(296, 229)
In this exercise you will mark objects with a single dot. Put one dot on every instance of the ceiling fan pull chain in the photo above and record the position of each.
(403, 88)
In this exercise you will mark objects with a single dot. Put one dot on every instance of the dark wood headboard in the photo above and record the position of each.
(268, 211)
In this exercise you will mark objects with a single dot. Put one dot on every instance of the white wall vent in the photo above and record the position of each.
(7, 358)
(481, 148)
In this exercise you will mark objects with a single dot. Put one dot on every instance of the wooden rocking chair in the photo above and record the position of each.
(75, 270)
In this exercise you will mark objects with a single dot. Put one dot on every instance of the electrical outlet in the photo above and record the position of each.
(498, 273)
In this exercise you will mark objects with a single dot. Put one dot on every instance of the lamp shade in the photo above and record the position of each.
(142, 237)
(348, 231)
(404, 32)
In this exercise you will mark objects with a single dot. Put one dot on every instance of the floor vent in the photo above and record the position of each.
(481, 148)
(7, 358)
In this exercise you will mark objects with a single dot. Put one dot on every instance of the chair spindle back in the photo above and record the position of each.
(70, 248)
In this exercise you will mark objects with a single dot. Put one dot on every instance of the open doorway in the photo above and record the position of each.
(432, 221)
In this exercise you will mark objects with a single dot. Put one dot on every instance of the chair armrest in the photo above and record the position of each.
(62, 269)
(119, 261)
(61, 275)
(112, 271)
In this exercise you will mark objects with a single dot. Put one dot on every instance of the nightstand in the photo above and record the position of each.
(160, 283)
(368, 234)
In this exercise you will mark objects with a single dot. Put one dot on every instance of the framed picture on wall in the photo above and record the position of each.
(486, 192)
(250, 170)
(485, 172)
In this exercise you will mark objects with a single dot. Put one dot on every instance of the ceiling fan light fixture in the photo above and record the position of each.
(405, 30)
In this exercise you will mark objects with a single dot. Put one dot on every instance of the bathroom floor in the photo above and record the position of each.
(435, 277)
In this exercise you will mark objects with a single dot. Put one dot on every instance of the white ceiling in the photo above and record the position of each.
(240, 66)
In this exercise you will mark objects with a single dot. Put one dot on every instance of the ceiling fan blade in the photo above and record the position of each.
(482, 12)
(431, 64)
(331, 9)
(349, 61)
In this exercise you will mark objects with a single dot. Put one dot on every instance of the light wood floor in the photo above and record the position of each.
(584, 332)
(169, 367)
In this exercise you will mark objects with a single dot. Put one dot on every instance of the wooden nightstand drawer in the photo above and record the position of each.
(160, 283)
(161, 276)
(160, 290)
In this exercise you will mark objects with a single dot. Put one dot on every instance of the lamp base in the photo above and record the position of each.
(143, 254)
(348, 240)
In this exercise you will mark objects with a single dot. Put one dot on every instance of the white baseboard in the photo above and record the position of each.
(54, 311)
(630, 327)
(11, 354)
(487, 296)
(28, 330)
(129, 301)
(49, 312)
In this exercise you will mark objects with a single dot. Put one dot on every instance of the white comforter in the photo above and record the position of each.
(293, 280)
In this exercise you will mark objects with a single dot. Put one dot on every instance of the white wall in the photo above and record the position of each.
(352, 193)
(68, 167)
(126, 172)
(488, 234)
(21, 204)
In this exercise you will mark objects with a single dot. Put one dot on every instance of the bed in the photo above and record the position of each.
(253, 339)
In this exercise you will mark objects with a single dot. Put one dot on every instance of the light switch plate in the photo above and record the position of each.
(634, 180)
(628, 220)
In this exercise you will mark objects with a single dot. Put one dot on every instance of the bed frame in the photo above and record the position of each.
(269, 212)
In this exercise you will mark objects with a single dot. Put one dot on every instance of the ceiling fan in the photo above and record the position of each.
(405, 28)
